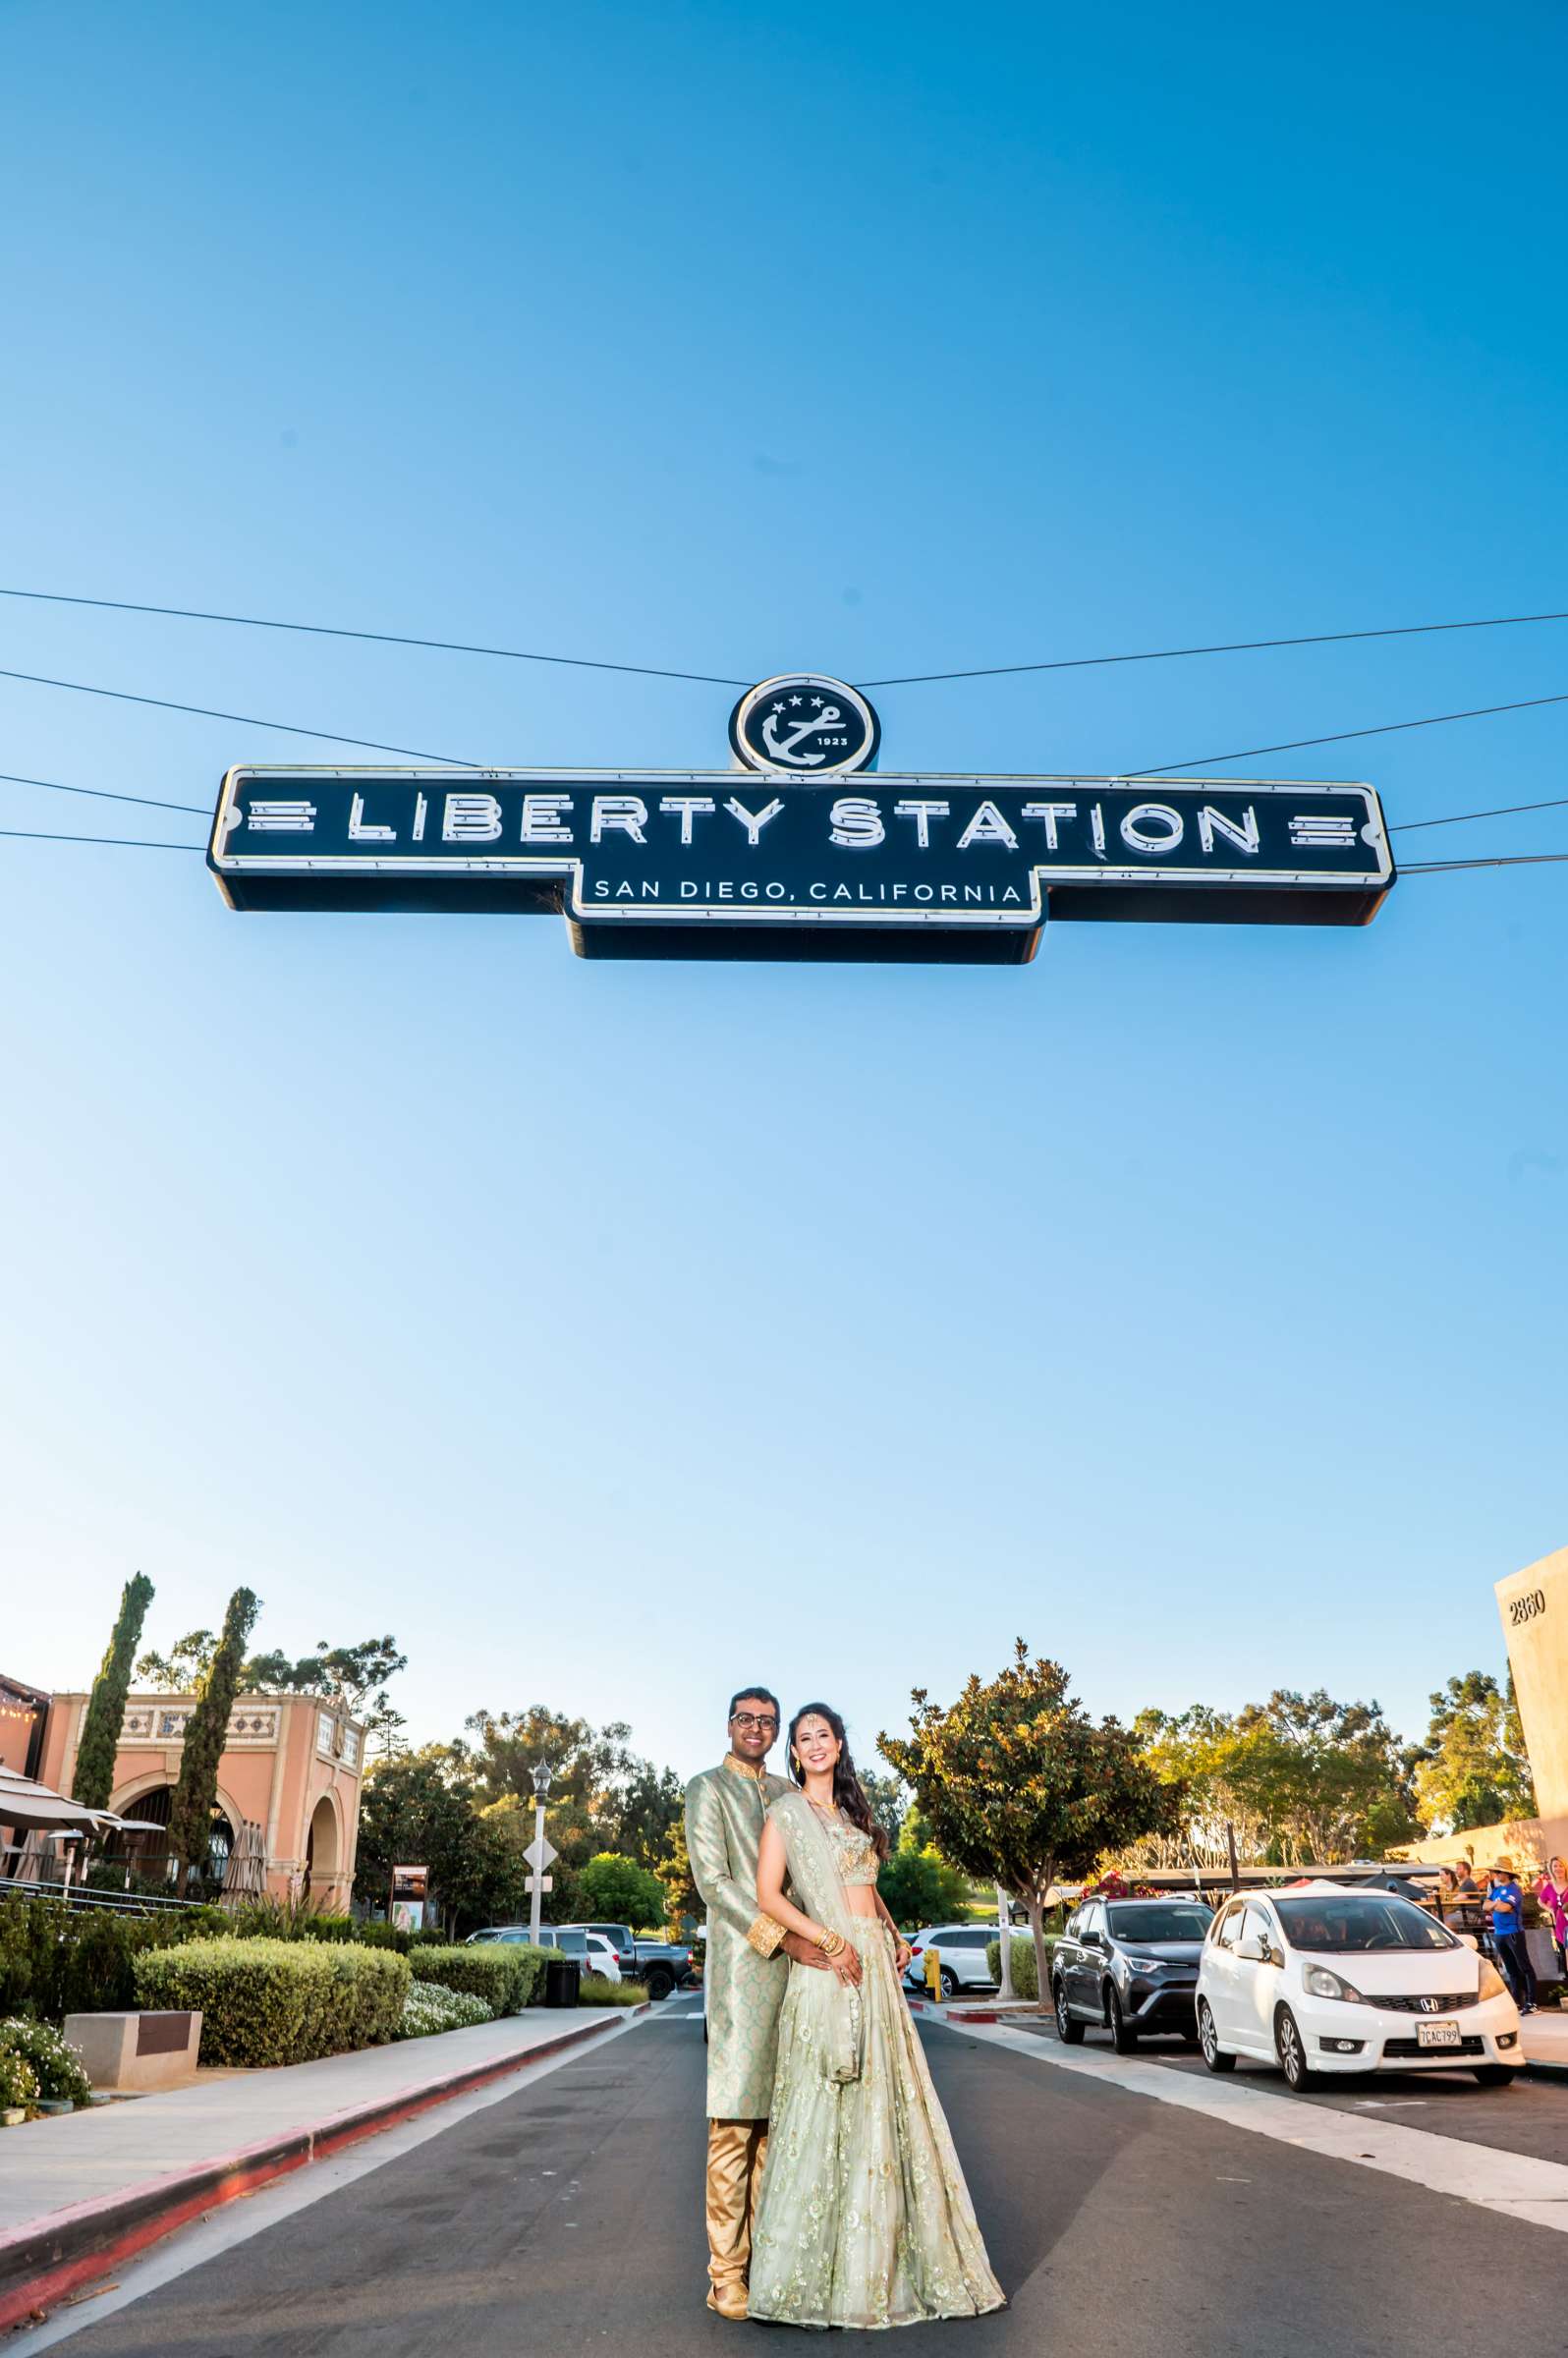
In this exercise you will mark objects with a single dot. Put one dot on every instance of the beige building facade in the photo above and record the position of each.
(1533, 1606)
(292, 1765)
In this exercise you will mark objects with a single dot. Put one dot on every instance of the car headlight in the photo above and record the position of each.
(1492, 1982)
(1319, 1982)
(1144, 1964)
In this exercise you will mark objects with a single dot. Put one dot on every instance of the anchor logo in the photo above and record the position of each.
(805, 722)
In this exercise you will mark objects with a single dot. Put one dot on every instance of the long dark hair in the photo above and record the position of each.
(849, 1794)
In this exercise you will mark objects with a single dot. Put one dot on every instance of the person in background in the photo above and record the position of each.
(1506, 1905)
(1468, 1897)
(1447, 1898)
(1553, 1896)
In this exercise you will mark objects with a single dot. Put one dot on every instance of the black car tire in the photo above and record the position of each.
(1291, 2048)
(661, 1981)
(1124, 2039)
(1067, 2030)
(1213, 2054)
(1494, 2075)
(949, 1982)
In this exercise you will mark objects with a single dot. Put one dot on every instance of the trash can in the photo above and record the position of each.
(563, 1982)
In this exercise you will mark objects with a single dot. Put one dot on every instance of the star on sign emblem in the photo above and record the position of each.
(795, 700)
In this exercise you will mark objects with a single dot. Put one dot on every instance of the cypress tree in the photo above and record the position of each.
(191, 1813)
(93, 1779)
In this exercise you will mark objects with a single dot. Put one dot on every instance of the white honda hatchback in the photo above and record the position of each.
(1326, 1979)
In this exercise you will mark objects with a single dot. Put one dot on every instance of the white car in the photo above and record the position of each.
(1324, 1978)
(591, 1950)
(961, 1952)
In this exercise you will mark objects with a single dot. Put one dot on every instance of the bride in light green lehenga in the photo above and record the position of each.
(865, 2218)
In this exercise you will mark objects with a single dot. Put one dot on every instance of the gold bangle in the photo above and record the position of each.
(830, 1943)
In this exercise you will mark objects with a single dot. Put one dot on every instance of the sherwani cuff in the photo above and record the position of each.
(764, 1935)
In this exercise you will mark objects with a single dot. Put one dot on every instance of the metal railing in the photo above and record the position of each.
(82, 1895)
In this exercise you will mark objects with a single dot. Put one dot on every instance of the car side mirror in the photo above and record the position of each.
(1255, 1951)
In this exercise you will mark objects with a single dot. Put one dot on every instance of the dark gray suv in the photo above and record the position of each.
(1129, 1966)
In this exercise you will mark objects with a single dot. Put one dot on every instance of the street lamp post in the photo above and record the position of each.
(1004, 1926)
(540, 1854)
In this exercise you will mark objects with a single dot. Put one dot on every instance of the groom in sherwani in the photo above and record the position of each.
(745, 1975)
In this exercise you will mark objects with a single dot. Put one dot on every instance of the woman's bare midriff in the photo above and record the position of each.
(861, 1899)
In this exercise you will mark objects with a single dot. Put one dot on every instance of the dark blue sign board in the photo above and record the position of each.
(765, 864)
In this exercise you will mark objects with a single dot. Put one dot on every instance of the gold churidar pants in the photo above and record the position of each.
(736, 2151)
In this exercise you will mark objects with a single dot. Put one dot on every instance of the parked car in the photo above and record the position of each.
(590, 1950)
(1130, 1967)
(620, 1938)
(962, 1952)
(1329, 1979)
(664, 1965)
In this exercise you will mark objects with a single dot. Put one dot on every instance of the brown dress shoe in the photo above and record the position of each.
(729, 2300)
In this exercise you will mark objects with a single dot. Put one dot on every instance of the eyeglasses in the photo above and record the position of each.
(758, 1720)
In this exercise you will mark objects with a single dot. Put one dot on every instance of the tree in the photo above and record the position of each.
(643, 1811)
(1301, 1780)
(187, 1660)
(617, 1890)
(602, 1795)
(682, 1900)
(205, 1732)
(93, 1779)
(1021, 1787)
(919, 1887)
(889, 1800)
(418, 1810)
(1473, 1768)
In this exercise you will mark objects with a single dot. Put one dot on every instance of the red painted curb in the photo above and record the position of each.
(45, 2261)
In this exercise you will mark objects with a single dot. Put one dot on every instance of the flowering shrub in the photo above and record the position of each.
(430, 2007)
(56, 2067)
(18, 2082)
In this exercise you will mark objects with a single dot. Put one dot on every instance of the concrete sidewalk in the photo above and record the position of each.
(80, 2194)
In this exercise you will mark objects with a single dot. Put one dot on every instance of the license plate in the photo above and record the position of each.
(1437, 2034)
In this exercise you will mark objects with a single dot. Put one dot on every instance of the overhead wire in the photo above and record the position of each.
(246, 720)
(101, 794)
(327, 629)
(654, 671)
(1387, 728)
(123, 843)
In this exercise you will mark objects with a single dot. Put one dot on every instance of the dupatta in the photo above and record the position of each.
(833, 2011)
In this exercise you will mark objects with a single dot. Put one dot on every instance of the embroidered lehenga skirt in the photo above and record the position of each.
(864, 2216)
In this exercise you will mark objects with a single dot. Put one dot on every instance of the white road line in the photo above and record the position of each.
(1517, 2185)
(222, 2231)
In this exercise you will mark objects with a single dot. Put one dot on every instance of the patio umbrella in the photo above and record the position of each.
(246, 1876)
(31, 1807)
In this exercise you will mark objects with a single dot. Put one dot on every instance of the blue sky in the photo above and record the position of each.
(1193, 1301)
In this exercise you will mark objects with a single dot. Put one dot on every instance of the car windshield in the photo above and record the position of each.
(1148, 1922)
(1362, 1921)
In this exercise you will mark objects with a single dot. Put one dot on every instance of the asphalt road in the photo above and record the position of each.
(567, 2217)
(1530, 2117)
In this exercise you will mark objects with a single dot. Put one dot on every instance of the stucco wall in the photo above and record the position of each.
(1534, 1607)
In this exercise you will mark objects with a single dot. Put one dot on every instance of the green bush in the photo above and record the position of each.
(508, 1975)
(279, 2002)
(430, 2006)
(57, 1960)
(56, 2067)
(597, 1992)
(1026, 1983)
(297, 1920)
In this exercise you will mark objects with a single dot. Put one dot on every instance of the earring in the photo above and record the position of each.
(794, 1757)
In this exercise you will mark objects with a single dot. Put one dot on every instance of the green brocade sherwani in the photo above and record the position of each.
(724, 1812)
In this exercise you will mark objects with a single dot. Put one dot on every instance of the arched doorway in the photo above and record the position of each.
(147, 1855)
(322, 1853)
